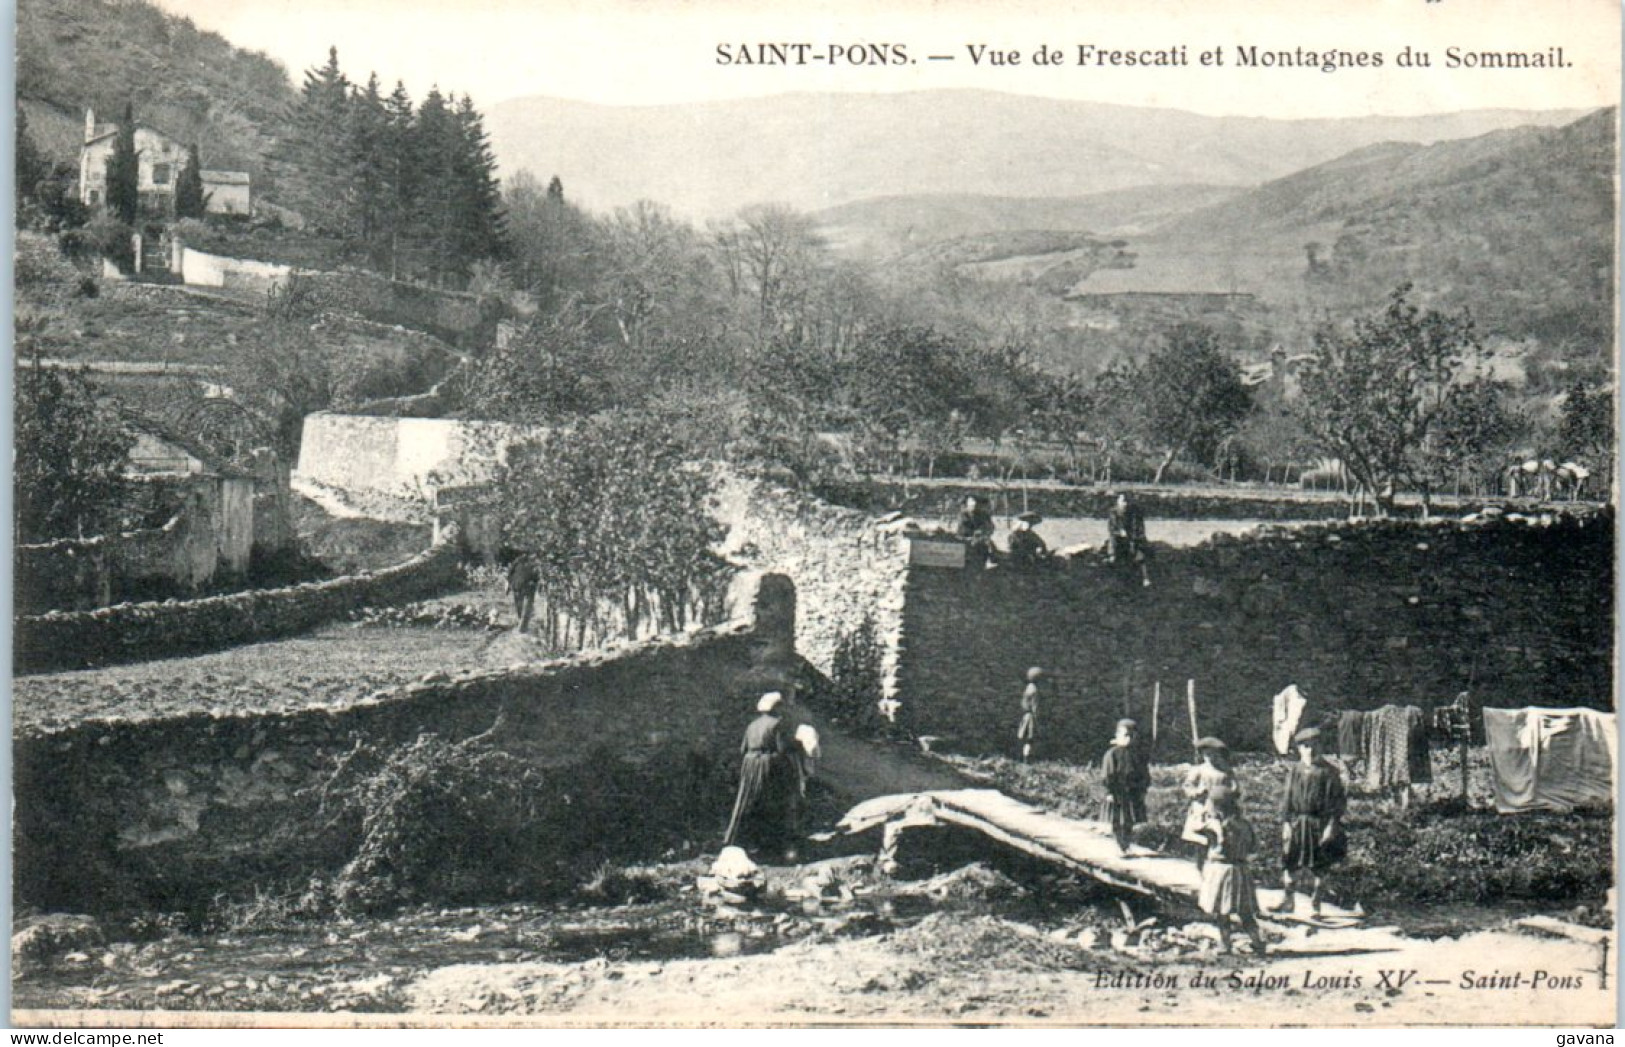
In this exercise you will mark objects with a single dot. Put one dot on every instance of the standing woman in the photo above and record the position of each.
(1212, 772)
(767, 782)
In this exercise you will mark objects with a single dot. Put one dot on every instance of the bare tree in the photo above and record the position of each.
(1374, 390)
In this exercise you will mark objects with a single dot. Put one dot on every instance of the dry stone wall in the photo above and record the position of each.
(1056, 500)
(160, 813)
(845, 565)
(135, 631)
(1357, 615)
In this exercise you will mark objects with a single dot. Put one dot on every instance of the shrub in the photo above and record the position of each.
(192, 232)
(440, 820)
(112, 239)
(463, 822)
(42, 271)
(855, 674)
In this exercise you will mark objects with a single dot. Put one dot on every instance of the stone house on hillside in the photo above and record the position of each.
(161, 159)
(197, 520)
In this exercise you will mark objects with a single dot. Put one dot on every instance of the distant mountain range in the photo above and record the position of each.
(1517, 224)
(821, 151)
(888, 224)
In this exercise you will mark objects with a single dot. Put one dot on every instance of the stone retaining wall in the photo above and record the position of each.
(1357, 615)
(845, 566)
(161, 813)
(136, 631)
(399, 456)
(1166, 503)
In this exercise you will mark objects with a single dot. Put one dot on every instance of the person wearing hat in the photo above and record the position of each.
(1211, 771)
(1027, 549)
(1227, 888)
(1028, 727)
(1125, 533)
(765, 804)
(1127, 777)
(975, 529)
(1312, 839)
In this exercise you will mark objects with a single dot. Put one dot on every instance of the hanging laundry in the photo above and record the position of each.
(1287, 711)
(1351, 735)
(1396, 749)
(1421, 742)
(1550, 759)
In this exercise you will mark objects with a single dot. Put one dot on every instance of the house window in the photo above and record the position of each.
(95, 196)
(160, 174)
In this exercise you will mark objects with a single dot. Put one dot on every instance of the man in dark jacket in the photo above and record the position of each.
(975, 529)
(1125, 530)
(1027, 549)
(524, 575)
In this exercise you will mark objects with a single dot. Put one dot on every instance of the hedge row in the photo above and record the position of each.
(137, 631)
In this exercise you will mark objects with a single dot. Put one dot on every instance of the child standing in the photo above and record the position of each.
(1212, 772)
(1227, 882)
(1127, 776)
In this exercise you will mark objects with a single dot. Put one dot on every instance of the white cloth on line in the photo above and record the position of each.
(1550, 759)
(1284, 717)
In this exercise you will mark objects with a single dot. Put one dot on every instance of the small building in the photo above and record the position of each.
(160, 159)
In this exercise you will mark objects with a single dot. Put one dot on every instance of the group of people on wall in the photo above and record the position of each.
(1126, 543)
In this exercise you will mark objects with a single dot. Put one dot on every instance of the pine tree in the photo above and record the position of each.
(369, 163)
(189, 199)
(399, 148)
(479, 224)
(124, 171)
(317, 147)
(435, 142)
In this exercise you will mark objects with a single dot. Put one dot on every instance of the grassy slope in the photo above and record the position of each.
(336, 665)
(192, 84)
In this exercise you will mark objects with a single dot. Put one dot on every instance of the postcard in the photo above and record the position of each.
(902, 513)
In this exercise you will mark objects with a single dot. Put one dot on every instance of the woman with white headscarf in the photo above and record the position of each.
(768, 782)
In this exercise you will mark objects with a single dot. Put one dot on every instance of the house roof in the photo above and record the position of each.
(225, 177)
(109, 130)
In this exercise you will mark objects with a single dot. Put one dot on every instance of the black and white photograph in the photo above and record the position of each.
(1089, 513)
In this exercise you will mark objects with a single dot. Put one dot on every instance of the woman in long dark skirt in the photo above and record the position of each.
(767, 784)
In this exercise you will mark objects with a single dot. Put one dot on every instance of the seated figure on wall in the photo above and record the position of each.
(975, 529)
(1027, 548)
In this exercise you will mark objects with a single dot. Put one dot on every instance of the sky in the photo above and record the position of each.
(622, 52)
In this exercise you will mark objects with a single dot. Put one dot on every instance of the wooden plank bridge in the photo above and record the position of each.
(1083, 847)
